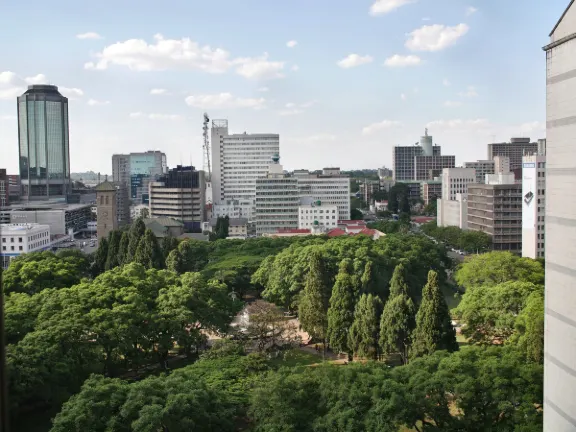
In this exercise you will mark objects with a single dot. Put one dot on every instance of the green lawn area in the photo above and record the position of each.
(295, 358)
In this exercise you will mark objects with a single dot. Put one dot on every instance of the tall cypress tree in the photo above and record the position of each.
(148, 252)
(434, 329)
(398, 318)
(169, 243)
(113, 249)
(364, 332)
(100, 257)
(315, 297)
(341, 310)
(136, 232)
(123, 249)
(367, 279)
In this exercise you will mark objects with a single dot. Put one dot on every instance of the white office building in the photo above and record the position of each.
(237, 161)
(276, 201)
(18, 239)
(455, 181)
(501, 165)
(453, 212)
(317, 214)
(230, 208)
(533, 205)
(330, 187)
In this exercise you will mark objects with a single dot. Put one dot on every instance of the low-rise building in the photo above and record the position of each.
(237, 227)
(18, 239)
(431, 190)
(456, 180)
(453, 212)
(317, 213)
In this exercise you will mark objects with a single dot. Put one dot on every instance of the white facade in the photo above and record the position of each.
(317, 214)
(560, 297)
(533, 206)
(330, 189)
(455, 181)
(237, 161)
(230, 208)
(18, 239)
(482, 168)
(501, 165)
(136, 211)
(453, 212)
(499, 179)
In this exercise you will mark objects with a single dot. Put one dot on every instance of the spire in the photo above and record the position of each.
(425, 131)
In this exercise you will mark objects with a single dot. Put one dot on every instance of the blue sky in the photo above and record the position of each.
(342, 82)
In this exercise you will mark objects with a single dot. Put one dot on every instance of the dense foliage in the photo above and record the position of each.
(468, 241)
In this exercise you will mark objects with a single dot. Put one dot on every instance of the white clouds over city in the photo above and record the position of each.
(376, 127)
(403, 61)
(435, 37)
(354, 60)
(381, 7)
(291, 44)
(89, 35)
(224, 101)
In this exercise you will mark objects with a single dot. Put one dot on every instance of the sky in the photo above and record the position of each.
(341, 81)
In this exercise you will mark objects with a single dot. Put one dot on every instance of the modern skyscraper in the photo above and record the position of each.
(237, 161)
(515, 150)
(560, 310)
(137, 170)
(43, 143)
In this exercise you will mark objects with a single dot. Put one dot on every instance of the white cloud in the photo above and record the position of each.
(402, 61)
(292, 108)
(375, 127)
(183, 54)
(291, 44)
(158, 91)
(263, 89)
(435, 37)
(354, 60)
(71, 93)
(470, 10)
(452, 104)
(380, 7)
(295, 68)
(446, 83)
(88, 35)
(141, 115)
(403, 96)
(532, 127)
(470, 92)
(12, 85)
(223, 101)
(458, 124)
(94, 102)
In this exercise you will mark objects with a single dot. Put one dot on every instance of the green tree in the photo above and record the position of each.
(315, 299)
(365, 330)
(431, 208)
(356, 214)
(112, 259)
(341, 310)
(434, 329)
(123, 248)
(148, 252)
(169, 243)
(398, 318)
(190, 256)
(100, 257)
(529, 336)
(136, 233)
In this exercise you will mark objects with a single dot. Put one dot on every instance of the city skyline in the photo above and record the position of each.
(338, 98)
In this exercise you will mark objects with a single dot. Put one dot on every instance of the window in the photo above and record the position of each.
(11, 247)
(3, 247)
(3, 240)
(19, 239)
(20, 248)
(11, 239)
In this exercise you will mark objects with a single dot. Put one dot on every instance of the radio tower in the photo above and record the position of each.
(206, 148)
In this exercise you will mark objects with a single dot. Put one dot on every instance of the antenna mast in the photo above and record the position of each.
(206, 147)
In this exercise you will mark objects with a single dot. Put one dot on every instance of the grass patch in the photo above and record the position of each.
(295, 357)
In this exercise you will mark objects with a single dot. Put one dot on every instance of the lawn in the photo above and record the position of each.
(295, 358)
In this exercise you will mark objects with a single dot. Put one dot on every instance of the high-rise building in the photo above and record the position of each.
(533, 205)
(515, 150)
(277, 200)
(496, 209)
(4, 187)
(180, 194)
(43, 143)
(501, 165)
(482, 167)
(431, 190)
(330, 187)
(422, 161)
(237, 161)
(455, 181)
(560, 313)
(137, 170)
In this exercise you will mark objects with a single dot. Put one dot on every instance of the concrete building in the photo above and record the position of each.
(106, 203)
(533, 206)
(14, 188)
(453, 212)
(230, 208)
(43, 143)
(140, 210)
(496, 209)
(560, 310)
(18, 239)
(277, 200)
(330, 187)
(317, 214)
(122, 204)
(456, 180)
(4, 188)
(501, 165)
(481, 167)
(237, 227)
(237, 161)
(431, 190)
(137, 170)
(367, 189)
(384, 173)
(428, 167)
(515, 150)
(180, 195)
(500, 179)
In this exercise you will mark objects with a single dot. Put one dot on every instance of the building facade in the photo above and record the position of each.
(456, 180)
(330, 187)
(501, 165)
(317, 214)
(277, 200)
(560, 297)
(137, 170)
(180, 195)
(428, 167)
(481, 167)
(106, 204)
(533, 206)
(230, 208)
(43, 143)
(18, 239)
(431, 190)
(496, 209)
(453, 212)
(237, 161)
(4, 188)
(515, 150)
(403, 160)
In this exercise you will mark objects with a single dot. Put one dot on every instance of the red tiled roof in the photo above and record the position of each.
(368, 231)
(336, 232)
(423, 219)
